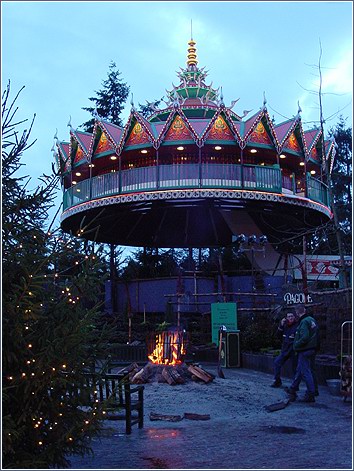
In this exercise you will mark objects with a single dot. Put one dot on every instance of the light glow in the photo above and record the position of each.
(180, 148)
(253, 151)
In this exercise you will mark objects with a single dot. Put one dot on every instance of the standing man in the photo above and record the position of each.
(287, 329)
(305, 344)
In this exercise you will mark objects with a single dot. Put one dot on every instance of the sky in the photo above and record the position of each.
(61, 52)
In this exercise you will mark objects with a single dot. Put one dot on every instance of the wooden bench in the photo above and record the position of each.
(123, 400)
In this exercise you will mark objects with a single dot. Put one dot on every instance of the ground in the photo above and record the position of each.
(240, 434)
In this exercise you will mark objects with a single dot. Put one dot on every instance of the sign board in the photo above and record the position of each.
(297, 298)
(321, 267)
(222, 314)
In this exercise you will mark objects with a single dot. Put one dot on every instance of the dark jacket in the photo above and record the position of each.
(288, 335)
(306, 337)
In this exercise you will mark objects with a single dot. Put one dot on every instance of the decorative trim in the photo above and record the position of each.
(196, 194)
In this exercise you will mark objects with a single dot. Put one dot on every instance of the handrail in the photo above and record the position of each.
(177, 176)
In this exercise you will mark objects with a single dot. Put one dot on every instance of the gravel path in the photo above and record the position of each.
(240, 434)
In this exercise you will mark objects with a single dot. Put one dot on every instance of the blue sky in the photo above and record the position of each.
(61, 52)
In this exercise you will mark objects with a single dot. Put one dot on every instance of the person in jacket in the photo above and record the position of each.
(305, 344)
(287, 329)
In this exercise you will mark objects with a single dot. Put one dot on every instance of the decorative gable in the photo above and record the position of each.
(178, 131)
(79, 156)
(137, 136)
(220, 131)
(314, 154)
(260, 135)
(103, 145)
(292, 143)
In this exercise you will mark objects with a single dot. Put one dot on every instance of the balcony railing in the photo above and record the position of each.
(223, 176)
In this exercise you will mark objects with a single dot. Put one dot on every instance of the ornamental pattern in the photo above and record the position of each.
(195, 194)
(292, 143)
(260, 135)
(137, 136)
(79, 156)
(178, 131)
(220, 131)
(314, 155)
(103, 145)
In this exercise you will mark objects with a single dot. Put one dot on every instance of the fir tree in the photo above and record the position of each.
(110, 100)
(342, 180)
(149, 108)
(50, 312)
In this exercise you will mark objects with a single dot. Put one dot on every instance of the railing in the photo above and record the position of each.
(248, 177)
(317, 191)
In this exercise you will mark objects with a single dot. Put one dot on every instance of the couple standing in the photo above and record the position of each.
(300, 342)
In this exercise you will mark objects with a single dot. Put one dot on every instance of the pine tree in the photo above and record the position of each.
(110, 100)
(149, 108)
(50, 312)
(342, 180)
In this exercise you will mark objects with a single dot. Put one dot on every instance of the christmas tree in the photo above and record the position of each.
(51, 308)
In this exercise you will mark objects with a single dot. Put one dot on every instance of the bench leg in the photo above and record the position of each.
(141, 409)
(128, 411)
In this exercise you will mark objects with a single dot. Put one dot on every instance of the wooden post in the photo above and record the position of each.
(304, 270)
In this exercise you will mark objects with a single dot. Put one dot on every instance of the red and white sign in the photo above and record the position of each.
(320, 267)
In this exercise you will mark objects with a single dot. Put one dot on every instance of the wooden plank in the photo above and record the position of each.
(169, 418)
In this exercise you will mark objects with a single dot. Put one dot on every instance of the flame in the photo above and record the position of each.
(169, 349)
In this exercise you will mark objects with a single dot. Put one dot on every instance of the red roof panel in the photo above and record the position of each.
(282, 129)
(114, 131)
(199, 125)
(310, 137)
(85, 139)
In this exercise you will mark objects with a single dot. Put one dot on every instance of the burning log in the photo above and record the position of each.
(172, 376)
(200, 373)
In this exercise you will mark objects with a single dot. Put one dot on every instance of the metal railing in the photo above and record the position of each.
(317, 191)
(206, 175)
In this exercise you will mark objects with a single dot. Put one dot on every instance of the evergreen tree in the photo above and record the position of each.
(110, 100)
(149, 108)
(50, 311)
(342, 180)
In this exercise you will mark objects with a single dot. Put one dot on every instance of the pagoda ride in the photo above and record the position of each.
(193, 174)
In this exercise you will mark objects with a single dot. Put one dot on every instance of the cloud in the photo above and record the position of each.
(339, 79)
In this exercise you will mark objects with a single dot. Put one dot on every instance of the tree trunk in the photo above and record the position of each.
(113, 278)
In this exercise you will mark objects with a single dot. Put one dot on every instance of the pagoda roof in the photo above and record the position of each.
(311, 137)
(113, 131)
(83, 139)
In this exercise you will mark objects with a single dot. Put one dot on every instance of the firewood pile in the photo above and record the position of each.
(171, 374)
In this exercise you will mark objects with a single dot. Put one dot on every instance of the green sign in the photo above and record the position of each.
(222, 314)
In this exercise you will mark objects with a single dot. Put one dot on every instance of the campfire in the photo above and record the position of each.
(166, 361)
(167, 347)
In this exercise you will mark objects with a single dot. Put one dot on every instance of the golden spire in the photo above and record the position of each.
(192, 51)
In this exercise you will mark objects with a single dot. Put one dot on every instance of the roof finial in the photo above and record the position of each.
(192, 52)
(299, 110)
(69, 123)
(132, 103)
(264, 100)
(221, 102)
(55, 140)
